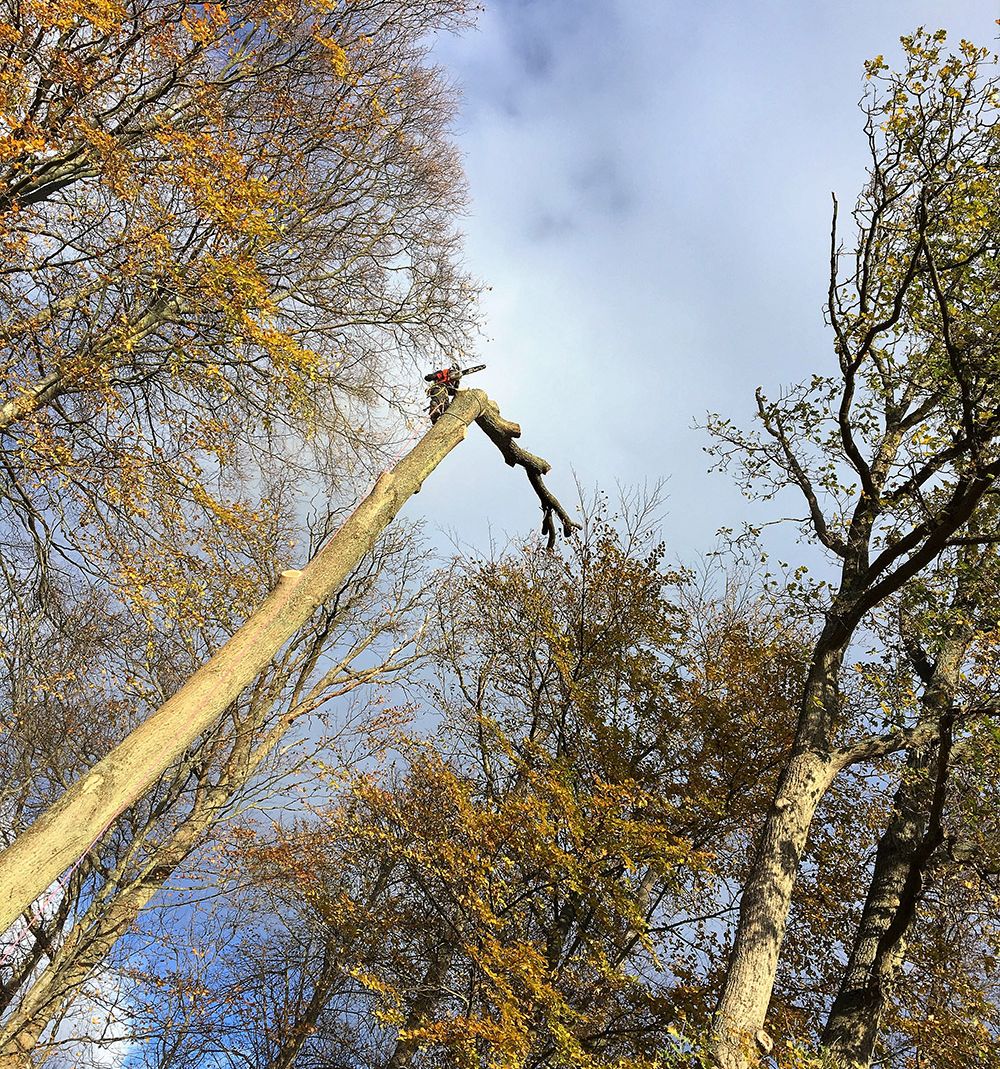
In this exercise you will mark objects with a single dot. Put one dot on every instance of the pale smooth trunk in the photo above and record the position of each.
(767, 897)
(37, 858)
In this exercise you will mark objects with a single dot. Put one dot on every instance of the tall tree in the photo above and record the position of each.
(227, 236)
(949, 647)
(227, 239)
(67, 828)
(893, 456)
(240, 762)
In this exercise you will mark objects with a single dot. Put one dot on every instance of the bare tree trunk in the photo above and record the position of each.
(853, 1024)
(69, 827)
(764, 911)
(905, 849)
(113, 912)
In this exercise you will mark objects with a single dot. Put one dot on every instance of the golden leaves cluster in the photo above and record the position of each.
(198, 203)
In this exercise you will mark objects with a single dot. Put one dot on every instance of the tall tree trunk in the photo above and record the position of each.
(853, 1024)
(739, 1035)
(115, 909)
(764, 911)
(904, 851)
(69, 827)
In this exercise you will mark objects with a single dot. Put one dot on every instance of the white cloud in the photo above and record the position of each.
(650, 203)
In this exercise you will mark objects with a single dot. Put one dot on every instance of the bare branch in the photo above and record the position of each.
(774, 427)
(501, 433)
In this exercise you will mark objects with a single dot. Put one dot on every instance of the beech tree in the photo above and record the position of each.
(192, 353)
(929, 842)
(227, 240)
(895, 455)
(645, 817)
(227, 237)
(244, 761)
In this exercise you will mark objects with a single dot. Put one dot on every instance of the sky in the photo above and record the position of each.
(650, 194)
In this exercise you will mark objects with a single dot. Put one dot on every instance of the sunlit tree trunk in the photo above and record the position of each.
(764, 911)
(68, 828)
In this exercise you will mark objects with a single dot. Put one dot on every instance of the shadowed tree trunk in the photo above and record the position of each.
(904, 852)
(855, 1017)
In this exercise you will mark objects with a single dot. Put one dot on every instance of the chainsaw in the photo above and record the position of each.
(451, 376)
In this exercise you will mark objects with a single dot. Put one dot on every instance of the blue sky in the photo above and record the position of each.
(650, 205)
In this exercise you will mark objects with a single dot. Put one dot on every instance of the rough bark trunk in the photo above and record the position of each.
(765, 904)
(69, 827)
(902, 856)
(855, 1017)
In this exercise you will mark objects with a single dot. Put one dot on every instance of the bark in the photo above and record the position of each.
(764, 910)
(767, 896)
(69, 828)
(35, 397)
(302, 1027)
(853, 1024)
(904, 853)
(113, 911)
(908, 844)
(425, 998)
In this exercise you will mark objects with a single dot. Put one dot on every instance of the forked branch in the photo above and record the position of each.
(501, 433)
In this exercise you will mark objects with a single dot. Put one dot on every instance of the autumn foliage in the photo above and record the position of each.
(572, 807)
(226, 237)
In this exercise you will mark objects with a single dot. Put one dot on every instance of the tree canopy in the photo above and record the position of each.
(559, 804)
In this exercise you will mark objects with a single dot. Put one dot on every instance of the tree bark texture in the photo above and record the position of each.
(904, 851)
(764, 909)
(853, 1025)
(30, 400)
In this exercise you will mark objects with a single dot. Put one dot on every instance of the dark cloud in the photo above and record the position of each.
(545, 226)
(535, 56)
(601, 183)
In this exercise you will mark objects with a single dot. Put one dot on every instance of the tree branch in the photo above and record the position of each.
(501, 433)
(922, 733)
(773, 426)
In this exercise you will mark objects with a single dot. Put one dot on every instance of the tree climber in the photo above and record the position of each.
(444, 386)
